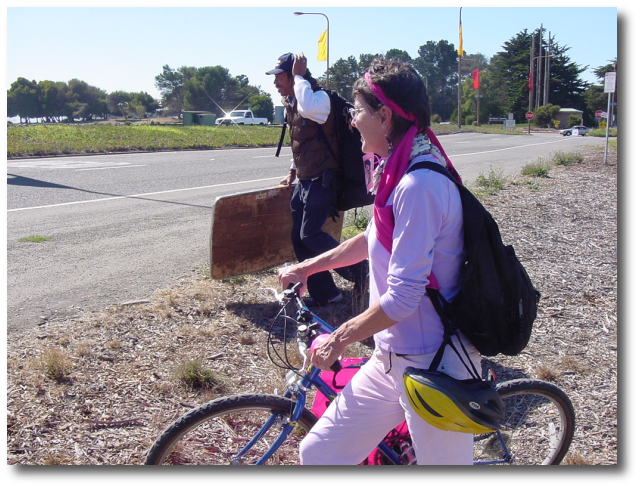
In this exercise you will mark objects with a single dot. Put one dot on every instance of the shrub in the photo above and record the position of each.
(194, 375)
(565, 159)
(56, 364)
(436, 119)
(491, 183)
(539, 169)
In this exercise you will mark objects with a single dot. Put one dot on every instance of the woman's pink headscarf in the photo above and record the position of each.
(395, 167)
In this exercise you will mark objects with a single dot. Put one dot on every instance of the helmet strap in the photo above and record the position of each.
(441, 305)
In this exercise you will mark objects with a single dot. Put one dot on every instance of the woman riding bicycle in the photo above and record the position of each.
(414, 236)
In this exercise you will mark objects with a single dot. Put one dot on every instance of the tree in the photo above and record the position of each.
(213, 89)
(344, 72)
(90, 101)
(607, 68)
(437, 63)
(22, 100)
(510, 69)
(398, 54)
(171, 84)
(48, 99)
(545, 115)
(261, 106)
(117, 102)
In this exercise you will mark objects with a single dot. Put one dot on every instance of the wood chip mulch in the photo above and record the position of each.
(99, 388)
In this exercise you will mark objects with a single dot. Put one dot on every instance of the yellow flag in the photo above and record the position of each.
(460, 50)
(322, 47)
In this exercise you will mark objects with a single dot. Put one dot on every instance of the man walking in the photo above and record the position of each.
(313, 144)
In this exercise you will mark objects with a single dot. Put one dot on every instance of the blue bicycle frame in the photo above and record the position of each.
(310, 379)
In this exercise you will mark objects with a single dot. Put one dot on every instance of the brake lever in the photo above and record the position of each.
(278, 296)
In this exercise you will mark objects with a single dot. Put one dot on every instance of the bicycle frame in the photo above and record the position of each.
(311, 379)
(299, 389)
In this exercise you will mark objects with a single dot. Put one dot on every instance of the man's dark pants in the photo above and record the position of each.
(312, 204)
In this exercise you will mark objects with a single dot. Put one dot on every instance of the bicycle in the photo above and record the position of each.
(267, 428)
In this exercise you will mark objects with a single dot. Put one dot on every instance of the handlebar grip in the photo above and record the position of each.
(337, 365)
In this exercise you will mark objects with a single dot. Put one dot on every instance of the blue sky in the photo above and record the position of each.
(120, 48)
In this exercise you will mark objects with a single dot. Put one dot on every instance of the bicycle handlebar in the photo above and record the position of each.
(308, 335)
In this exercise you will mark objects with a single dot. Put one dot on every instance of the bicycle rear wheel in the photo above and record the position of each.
(217, 432)
(538, 426)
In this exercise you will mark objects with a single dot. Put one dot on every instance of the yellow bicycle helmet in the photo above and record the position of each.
(471, 406)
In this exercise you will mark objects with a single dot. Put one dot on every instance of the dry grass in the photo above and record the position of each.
(113, 387)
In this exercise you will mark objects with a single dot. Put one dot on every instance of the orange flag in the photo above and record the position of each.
(476, 78)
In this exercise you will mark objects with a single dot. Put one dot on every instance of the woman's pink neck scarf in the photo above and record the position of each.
(395, 167)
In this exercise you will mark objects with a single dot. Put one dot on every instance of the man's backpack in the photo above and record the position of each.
(352, 189)
(497, 303)
(352, 192)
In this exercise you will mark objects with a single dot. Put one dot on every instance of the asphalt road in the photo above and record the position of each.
(124, 225)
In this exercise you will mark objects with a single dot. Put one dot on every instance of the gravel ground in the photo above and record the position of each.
(98, 388)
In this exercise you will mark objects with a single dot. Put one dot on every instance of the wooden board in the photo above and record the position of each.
(251, 231)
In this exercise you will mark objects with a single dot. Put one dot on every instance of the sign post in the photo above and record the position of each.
(609, 87)
(529, 116)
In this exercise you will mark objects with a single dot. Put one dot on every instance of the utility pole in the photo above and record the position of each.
(547, 65)
(539, 72)
(460, 53)
(531, 56)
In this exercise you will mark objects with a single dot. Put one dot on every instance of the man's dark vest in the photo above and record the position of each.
(311, 155)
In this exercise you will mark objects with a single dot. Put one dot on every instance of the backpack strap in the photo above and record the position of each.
(433, 166)
(284, 130)
(440, 304)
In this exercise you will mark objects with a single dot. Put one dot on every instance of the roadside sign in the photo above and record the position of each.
(529, 115)
(598, 114)
(610, 82)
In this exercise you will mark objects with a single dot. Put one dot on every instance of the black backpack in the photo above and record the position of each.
(497, 303)
(352, 190)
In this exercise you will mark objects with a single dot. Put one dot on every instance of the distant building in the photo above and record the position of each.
(278, 116)
(564, 114)
(198, 117)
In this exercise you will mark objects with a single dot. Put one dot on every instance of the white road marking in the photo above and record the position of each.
(142, 194)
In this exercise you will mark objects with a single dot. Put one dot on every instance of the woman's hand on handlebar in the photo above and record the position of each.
(289, 276)
(326, 353)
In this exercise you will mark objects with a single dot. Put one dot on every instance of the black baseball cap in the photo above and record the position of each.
(285, 63)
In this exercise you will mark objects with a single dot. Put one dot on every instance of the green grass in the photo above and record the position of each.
(538, 169)
(490, 183)
(195, 375)
(50, 140)
(61, 139)
(35, 238)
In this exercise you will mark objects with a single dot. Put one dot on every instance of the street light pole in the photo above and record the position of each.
(319, 13)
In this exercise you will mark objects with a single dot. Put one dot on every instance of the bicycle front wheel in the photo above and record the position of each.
(537, 429)
(232, 430)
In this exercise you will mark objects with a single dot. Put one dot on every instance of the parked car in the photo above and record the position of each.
(582, 130)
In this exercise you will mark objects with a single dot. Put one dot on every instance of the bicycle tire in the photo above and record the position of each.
(212, 433)
(538, 426)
